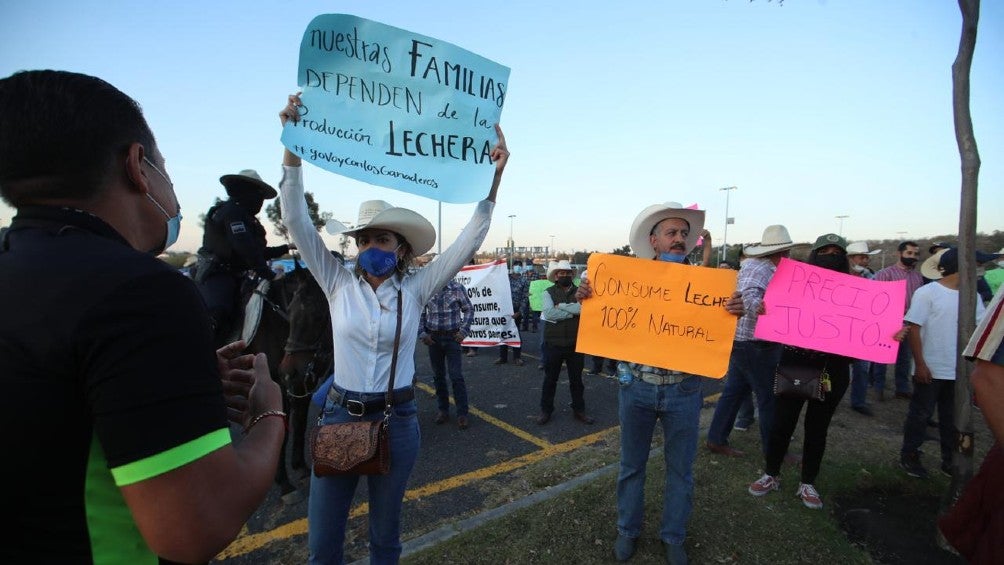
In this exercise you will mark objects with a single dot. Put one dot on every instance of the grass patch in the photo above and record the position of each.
(728, 525)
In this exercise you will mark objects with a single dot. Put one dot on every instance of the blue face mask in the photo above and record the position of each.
(173, 222)
(673, 257)
(377, 262)
(173, 227)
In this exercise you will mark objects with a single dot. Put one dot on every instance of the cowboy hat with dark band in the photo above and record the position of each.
(377, 214)
(248, 179)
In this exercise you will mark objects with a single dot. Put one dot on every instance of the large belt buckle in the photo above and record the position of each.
(357, 405)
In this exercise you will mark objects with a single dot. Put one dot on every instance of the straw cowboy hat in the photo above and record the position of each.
(248, 178)
(378, 214)
(646, 221)
(861, 248)
(931, 267)
(775, 239)
(555, 266)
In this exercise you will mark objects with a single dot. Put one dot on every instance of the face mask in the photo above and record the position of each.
(908, 261)
(858, 268)
(563, 282)
(831, 262)
(173, 222)
(377, 262)
(173, 227)
(672, 257)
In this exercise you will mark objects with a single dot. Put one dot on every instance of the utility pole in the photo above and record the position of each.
(512, 243)
(728, 220)
(840, 230)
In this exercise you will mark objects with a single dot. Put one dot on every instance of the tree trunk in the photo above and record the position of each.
(962, 460)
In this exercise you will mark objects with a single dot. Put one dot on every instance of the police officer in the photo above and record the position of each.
(232, 245)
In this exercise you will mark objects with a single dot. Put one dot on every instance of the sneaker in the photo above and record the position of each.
(741, 426)
(810, 498)
(764, 485)
(500, 362)
(517, 362)
(910, 462)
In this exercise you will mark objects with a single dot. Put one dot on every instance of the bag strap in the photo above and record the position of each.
(393, 359)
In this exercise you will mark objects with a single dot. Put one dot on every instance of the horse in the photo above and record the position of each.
(292, 322)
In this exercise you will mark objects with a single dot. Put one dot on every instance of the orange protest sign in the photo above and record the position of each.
(658, 313)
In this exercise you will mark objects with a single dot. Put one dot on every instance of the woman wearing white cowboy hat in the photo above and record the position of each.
(364, 315)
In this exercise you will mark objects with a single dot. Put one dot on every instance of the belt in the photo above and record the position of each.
(670, 379)
(357, 407)
(450, 333)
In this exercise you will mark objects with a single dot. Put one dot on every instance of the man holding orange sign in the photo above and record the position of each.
(673, 323)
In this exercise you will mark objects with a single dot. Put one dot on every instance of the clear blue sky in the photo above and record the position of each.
(813, 109)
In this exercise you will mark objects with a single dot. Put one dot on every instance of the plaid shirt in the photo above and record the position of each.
(897, 273)
(754, 275)
(449, 310)
(519, 287)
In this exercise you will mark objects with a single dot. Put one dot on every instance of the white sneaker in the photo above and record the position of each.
(764, 485)
(810, 498)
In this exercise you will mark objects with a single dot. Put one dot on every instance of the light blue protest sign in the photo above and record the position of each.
(397, 109)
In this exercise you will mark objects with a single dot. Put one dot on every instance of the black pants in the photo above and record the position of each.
(552, 368)
(817, 424)
(220, 292)
(938, 393)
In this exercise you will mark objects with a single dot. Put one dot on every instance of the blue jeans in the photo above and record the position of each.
(678, 408)
(751, 368)
(903, 368)
(747, 413)
(941, 394)
(860, 373)
(445, 354)
(331, 497)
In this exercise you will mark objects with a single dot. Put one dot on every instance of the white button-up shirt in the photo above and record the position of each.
(363, 321)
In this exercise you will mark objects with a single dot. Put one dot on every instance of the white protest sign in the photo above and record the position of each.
(488, 288)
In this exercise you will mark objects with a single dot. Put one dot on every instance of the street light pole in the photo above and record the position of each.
(725, 233)
(512, 244)
(551, 249)
(840, 231)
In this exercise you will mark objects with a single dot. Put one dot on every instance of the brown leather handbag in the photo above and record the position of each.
(357, 448)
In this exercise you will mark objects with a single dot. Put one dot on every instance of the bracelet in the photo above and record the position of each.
(263, 415)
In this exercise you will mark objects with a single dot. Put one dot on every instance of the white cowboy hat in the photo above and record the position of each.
(555, 266)
(248, 178)
(374, 214)
(646, 221)
(775, 239)
(929, 269)
(861, 248)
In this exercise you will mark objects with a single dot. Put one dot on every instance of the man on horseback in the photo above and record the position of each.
(233, 243)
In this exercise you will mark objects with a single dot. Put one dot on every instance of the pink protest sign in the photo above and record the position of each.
(828, 311)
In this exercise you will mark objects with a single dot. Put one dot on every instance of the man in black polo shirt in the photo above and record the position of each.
(113, 401)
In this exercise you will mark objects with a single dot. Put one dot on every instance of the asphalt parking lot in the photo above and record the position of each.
(456, 469)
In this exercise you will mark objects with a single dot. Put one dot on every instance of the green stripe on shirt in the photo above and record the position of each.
(171, 459)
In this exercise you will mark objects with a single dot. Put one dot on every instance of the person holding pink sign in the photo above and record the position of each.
(829, 252)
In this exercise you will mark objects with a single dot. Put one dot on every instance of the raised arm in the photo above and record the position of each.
(500, 155)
